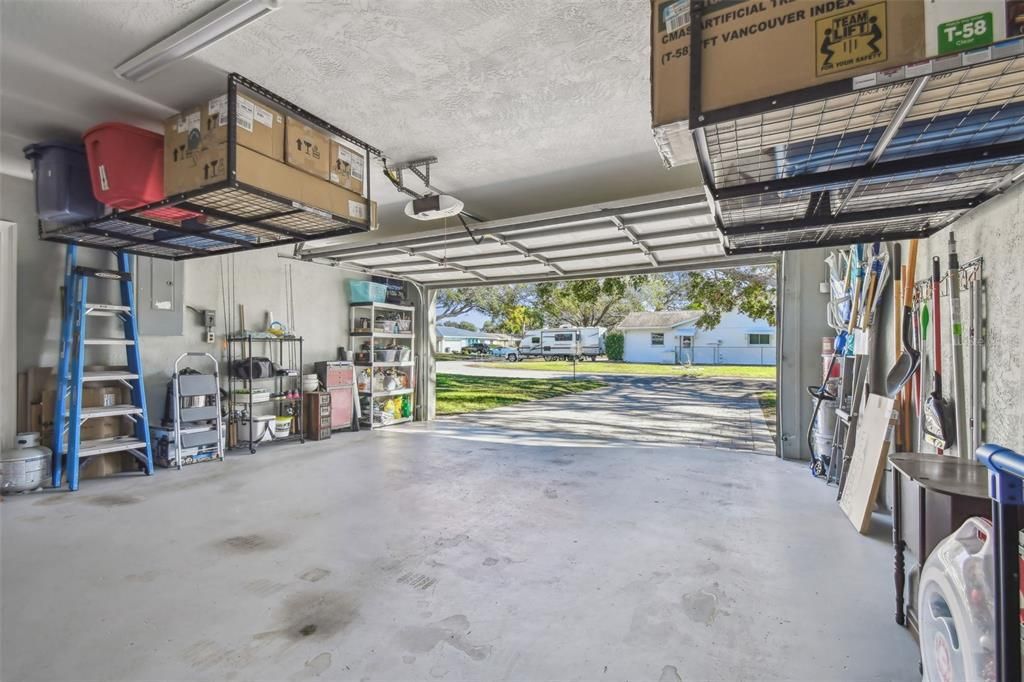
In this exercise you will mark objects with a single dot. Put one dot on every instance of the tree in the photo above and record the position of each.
(615, 346)
(455, 302)
(590, 302)
(463, 324)
(750, 290)
(516, 319)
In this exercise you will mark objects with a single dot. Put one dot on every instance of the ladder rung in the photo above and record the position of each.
(110, 411)
(89, 448)
(106, 309)
(109, 342)
(99, 273)
(108, 375)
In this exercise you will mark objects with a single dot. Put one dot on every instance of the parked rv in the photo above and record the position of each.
(563, 343)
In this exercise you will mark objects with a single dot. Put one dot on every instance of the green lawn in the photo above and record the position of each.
(600, 367)
(457, 393)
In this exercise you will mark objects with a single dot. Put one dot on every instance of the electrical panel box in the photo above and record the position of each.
(159, 292)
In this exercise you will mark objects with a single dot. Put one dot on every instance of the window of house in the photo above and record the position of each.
(657, 339)
(760, 339)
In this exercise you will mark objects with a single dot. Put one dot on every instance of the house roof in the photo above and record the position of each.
(659, 320)
(457, 332)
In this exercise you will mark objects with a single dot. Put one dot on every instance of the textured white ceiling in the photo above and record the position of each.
(531, 105)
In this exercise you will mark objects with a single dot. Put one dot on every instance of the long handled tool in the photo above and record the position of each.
(869, 297)
(897, 328)
(977, 398)
(907, 362)
(935, 413)
(925, 368)
(959, 407)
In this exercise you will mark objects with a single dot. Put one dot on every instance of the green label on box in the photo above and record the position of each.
(966, 33)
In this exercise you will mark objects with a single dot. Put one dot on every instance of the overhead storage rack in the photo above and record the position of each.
(233, 216)
(891, 155)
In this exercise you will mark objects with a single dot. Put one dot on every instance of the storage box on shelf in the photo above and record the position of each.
(876, 150)
(228, 187)
(260, 383)
(382, 339)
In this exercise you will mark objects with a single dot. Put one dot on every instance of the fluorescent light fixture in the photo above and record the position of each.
(200, 34)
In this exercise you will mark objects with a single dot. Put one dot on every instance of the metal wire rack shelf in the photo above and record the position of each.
(223, 217)
(886, 156)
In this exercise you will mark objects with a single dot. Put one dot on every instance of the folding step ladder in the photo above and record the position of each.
(69, 450)
(197, 422)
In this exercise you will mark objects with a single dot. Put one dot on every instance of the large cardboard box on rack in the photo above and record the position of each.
(307, 148)
(348, 167)
(760, 48)
(192, 138)
(311, 193)
(279, 178)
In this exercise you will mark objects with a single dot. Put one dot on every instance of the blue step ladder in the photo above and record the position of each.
(69, 450)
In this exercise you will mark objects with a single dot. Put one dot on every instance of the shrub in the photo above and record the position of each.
(615, 346)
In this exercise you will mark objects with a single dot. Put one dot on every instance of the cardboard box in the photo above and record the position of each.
(348, 167)
(307, 148)
(93, 396)
(305, 191)
(760, 48)
(190, 136)
(100, 466)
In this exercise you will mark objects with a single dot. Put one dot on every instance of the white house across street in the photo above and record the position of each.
(671, 337)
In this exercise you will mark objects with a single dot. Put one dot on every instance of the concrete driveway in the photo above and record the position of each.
(647, 411)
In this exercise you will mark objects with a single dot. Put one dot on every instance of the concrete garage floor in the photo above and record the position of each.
(425, 552)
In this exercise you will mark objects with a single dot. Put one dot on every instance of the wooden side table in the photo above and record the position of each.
(948, 491)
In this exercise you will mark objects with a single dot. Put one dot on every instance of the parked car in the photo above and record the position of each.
(510, 354)
(476, 349)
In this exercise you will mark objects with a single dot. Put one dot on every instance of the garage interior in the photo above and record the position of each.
(207, 184)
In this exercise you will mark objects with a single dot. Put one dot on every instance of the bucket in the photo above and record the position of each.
(255, 429)
(26, 467)
(282, 427)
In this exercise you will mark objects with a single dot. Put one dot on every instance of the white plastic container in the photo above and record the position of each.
(310, 382)
(26, 467)
(956, 606)
(256, 429)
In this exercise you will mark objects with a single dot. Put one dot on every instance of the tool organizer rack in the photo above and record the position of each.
(236, 216)
(891, 155)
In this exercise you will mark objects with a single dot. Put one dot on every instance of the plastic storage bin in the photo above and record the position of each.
(63, 192)
(126, 164)
(361, 291)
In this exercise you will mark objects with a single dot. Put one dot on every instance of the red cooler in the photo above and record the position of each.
(126, 164)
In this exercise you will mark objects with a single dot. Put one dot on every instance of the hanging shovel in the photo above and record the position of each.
(937, 429)
(906, 364)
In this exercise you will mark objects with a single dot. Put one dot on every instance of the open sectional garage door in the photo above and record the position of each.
(660, 233)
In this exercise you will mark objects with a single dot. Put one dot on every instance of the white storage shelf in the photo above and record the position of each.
(378, 339)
